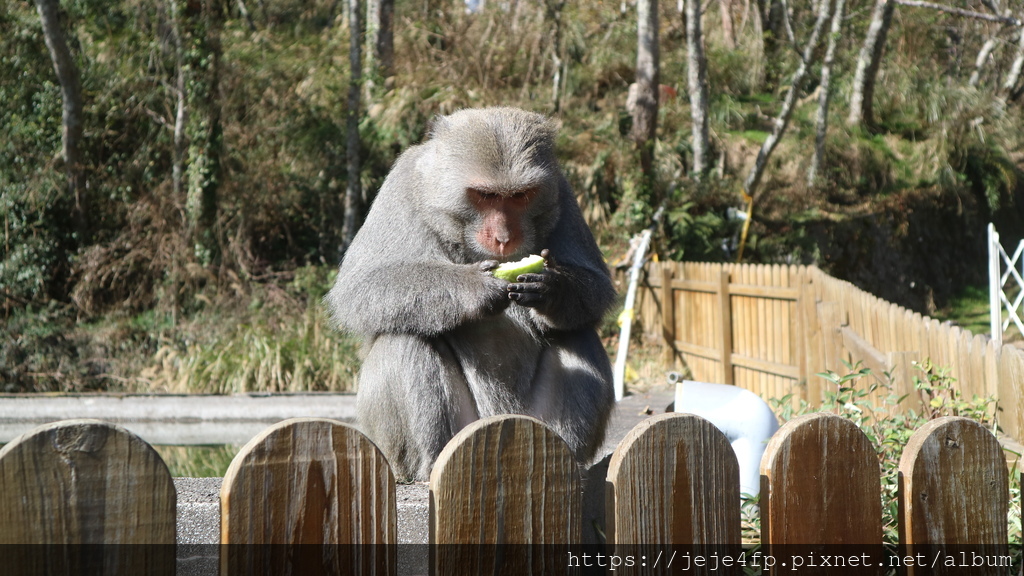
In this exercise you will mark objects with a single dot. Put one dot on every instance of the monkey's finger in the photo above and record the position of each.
(531, 279)
(549, 262)
(528, 287)
(527, 299)
(488, 265)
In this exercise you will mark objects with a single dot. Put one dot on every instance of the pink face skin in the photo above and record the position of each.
(502, 213)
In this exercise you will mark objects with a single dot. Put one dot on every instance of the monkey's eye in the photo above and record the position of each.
(483, 195)
(523, 197)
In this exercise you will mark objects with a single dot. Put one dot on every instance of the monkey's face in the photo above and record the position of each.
(499, 228)
(508, 217)
(495, 180)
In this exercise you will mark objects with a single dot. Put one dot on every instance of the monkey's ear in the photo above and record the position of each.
(436, 126)
(554, 125)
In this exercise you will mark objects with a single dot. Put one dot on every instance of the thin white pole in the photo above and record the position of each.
(994, 287)
(626, 319)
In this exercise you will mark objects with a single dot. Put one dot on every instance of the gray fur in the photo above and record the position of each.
(447, 343)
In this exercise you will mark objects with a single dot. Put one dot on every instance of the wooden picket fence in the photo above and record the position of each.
(672, 482)
(772, 328)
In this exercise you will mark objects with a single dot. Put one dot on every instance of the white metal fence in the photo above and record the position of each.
(1003, 267)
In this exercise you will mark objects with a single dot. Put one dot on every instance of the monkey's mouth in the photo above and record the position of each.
(508, 252)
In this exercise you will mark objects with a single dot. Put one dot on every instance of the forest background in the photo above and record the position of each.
(179, 178)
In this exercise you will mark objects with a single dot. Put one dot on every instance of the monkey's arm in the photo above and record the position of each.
(422, 298)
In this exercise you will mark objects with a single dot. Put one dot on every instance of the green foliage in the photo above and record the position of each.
(257, 357)
(278, 95)
(39, 352)
(197, 461)
(280, 342)
(991, 174)
(969, 309)
(941, 397)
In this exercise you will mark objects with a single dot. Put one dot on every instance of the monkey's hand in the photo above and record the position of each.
(533, 290)
(494, 295)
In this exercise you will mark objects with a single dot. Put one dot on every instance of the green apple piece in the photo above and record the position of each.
(509, 271)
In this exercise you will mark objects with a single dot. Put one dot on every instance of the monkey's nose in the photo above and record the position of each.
(503, 244)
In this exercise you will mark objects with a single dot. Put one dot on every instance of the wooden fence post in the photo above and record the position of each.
(815, 360)
(85, 482)
(668, 317)
(953, 496)
(725, 320)
(502, 486)
(309, 496)
(820, 488)
(674, 479)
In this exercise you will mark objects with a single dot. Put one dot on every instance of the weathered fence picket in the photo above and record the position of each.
(301, 484)
(820, 484)
(673, 480)
(676, 464)
(78, 483)
(954, 489)
(508, 481)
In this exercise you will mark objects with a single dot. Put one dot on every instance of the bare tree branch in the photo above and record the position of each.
(750, 185)
(862, 96)
(824, 94)
(961, 12)
(1012, 77)
(979, 62)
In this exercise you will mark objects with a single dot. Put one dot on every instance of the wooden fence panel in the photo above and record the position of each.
(309, 496)
(991, 369)
(504, 480)
(674, 479)
(760, 327)
(820, 485)
(974, 362)
(903, 366)
(85, 482)
(954, 495)
(1011, 398)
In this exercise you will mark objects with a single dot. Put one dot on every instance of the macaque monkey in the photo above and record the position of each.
(447, 343)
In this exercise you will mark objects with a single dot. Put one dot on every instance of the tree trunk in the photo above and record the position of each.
(772, 19)
(71, 95)
(728, 28)
(201, 24)
(180, 107)
(979, 62)
(645, 112)
(244, 12)
(698, 84)
(861, 99)
(553, 14)
(380, 37)
(353, 188)
(750, 186)
(1013, 76)
(825, 94)
(1008, 20)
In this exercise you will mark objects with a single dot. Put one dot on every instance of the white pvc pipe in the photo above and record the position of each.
(745, 419)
